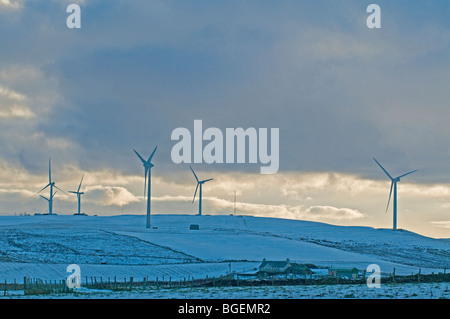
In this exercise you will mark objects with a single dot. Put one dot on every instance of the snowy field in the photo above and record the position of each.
(43, 246)
(388, 291)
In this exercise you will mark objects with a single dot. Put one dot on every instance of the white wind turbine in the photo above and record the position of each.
(394, 181)
(78, 193)
(200, 194)
(51, 184)
(147, 165)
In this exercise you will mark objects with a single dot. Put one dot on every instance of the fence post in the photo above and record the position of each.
(5, 288)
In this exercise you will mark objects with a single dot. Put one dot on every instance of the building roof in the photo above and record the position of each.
(343, 269)
(275, 264)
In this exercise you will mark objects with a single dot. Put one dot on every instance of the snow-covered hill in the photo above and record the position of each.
(43, 246)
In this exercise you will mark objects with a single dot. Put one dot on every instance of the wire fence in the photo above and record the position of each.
(36, 286)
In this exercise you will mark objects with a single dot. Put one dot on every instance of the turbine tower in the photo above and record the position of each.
(51, 184)
(200, 195)
(147, 165)
(394, 181)
(78, 195)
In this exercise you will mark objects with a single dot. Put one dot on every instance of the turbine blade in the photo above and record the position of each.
(390, 193)
(43, 188)
(80, 183)
(49, 172)
(151, 156)
(145, 182)
(58, 188)
(383, 169)
(195, 192)
(407, 173)
(194, 174)
(207, 180)
(73, 192)
(44, 198)
(143, 161)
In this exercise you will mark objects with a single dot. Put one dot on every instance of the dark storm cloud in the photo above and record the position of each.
(339, 92)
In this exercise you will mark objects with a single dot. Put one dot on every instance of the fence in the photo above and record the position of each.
(35, 286)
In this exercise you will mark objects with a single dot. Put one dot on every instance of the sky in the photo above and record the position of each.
(339, 92)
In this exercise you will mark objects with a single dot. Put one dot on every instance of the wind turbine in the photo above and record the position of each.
(200, 195)
(51, 184)
(78, 195)
(147, 165)
(393, 186)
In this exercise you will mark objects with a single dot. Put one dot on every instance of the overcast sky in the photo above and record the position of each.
(339, 92)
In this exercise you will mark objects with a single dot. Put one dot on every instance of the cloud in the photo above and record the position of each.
(442, 224)
(12, 105)
(338, 92)
(437, 190)
(29, 114)
(11, 4)
(15, 111)
(20, 192)
(332, 213)
(111, 195)
(169, 198)
(25, 83)
(106, 177)
(14, 175)
(9, 94)
(313, 213)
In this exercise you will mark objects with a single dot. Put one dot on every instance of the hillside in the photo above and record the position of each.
(43, 246)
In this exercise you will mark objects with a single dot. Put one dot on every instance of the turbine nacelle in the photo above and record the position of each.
(78, 193)
(146, 163)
